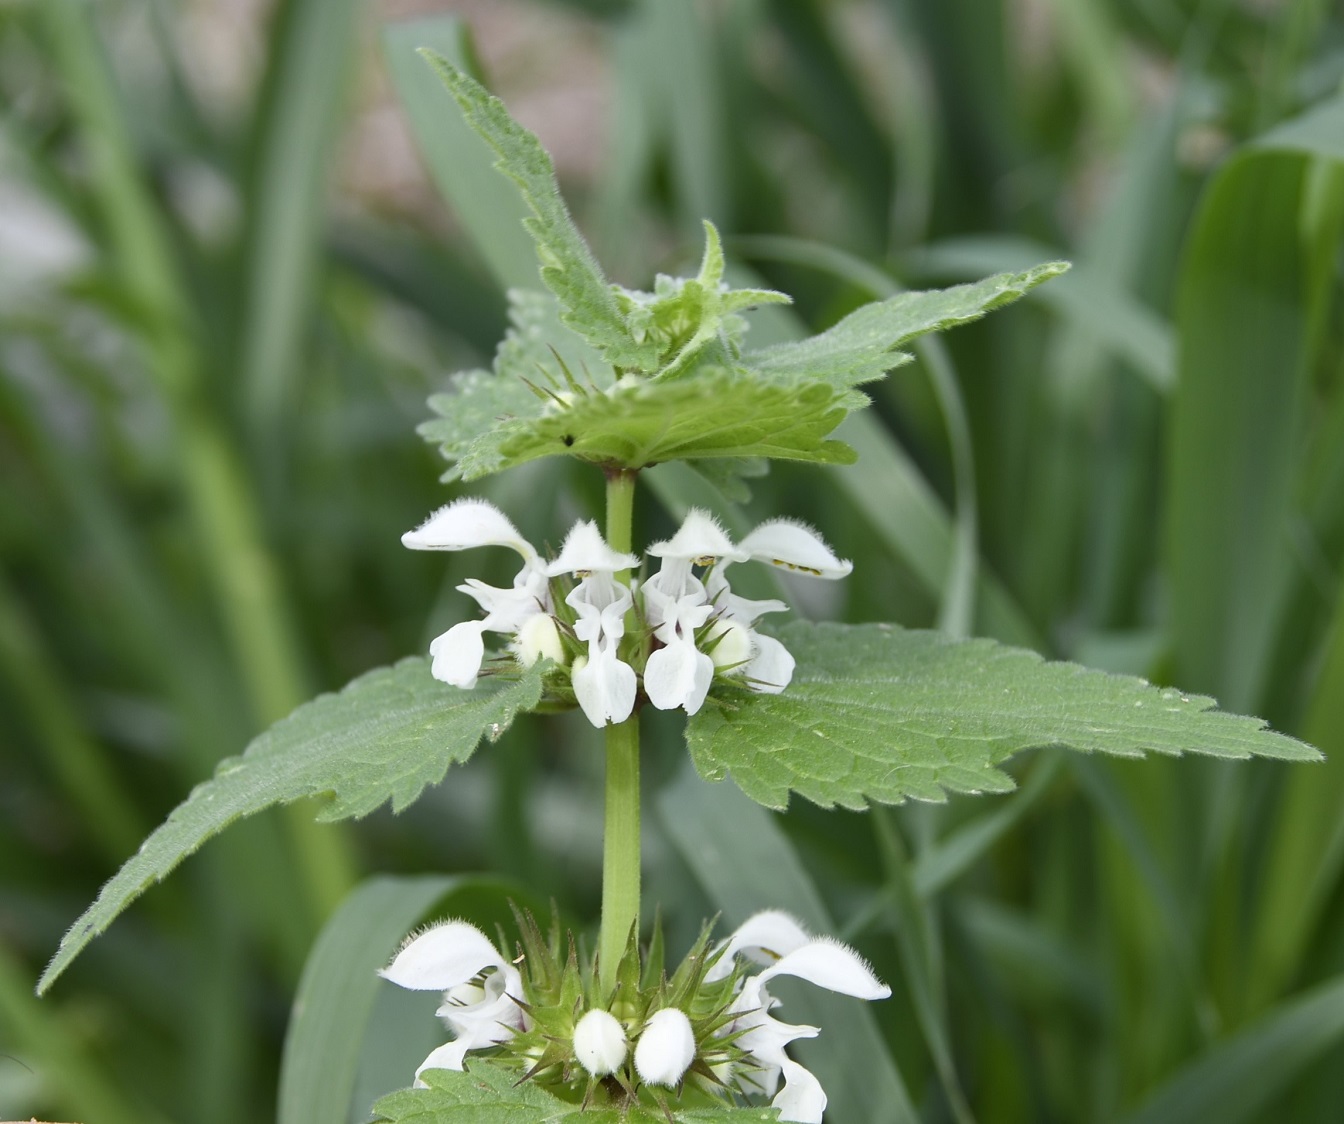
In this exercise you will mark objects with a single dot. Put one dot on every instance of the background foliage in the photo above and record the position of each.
(226, 291)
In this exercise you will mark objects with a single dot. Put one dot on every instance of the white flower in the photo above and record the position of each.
(482, 990)
(676, 603)
(523, 610)
(599, 1042)
(666, 1048)
(778, 941)
(603, 683)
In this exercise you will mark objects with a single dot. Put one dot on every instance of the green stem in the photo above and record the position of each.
(620, 837)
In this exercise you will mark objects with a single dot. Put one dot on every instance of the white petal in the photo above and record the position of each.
(771, 669)
(795, 546)
(586, 551)
(678, 675)
(802, 1099)
(765, 937)
(443, 957)
(467, 523)
(604, 686)
(666, 1048)
(832, 965)
(458, 654)
(447, 1056)
(599, 1043)
(699, 536)
(505, 609)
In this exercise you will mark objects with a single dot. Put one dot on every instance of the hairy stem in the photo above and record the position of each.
(620, 837)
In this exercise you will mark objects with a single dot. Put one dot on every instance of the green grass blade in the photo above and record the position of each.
(460, 162)
(1245, 318)
(310, 68)
(1239, 1078)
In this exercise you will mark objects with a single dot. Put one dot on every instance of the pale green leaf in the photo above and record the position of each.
(491, 1094)
(863, 346)
(383, 738)
(876, 712)
(714, 413)
(567, 264)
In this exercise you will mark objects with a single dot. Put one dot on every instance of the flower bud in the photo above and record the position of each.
(599, 1043)
(666, 1048)
(731, 643)
(537, 639)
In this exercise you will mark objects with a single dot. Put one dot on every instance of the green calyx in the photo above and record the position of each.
(561, 985)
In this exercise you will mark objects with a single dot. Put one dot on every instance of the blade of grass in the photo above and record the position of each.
(461, 164)
(1240, 1078)
(106, 809)
(243, 573)
(301, 107)
(74, 1081)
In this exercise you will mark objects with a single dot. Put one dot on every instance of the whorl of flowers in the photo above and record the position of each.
(705, 1033)
(618, 640)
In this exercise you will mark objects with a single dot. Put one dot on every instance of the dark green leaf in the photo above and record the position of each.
(876, 712)
(383, 738)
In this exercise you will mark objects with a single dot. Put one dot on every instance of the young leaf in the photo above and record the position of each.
(491, 1094)
(863, 346)
(587, 301)
(876, 712)
(383, 738)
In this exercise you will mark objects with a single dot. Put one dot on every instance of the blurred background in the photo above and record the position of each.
(229, 278)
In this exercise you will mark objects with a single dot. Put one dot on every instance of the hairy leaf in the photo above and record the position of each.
(383, 738)
(568, 267)
(491, 1094)
(877, 712)
(863, 346)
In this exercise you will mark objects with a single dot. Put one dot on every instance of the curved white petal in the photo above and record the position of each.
(464, 524)
(771, 669)
(458, 654)
(447, 1056)
(586, 551)
(678, 675)
(666, 1048)
(604, 686)
(802, 1099)
(765, 937)
(795, 546)
(832, 965)
(736, 608)
(699, 536)
(443, 957)
(505, 609)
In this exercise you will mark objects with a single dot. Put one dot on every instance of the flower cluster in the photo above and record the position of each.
(669, 634)
(708, 1030)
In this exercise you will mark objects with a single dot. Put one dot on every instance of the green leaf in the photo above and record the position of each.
(495, 421)
(491, 1094)
(863, 346)
(876, 712)
(568, 267)
(383, 738)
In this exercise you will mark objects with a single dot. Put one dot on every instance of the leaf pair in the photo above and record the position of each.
(874, 713)
(629, 379)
